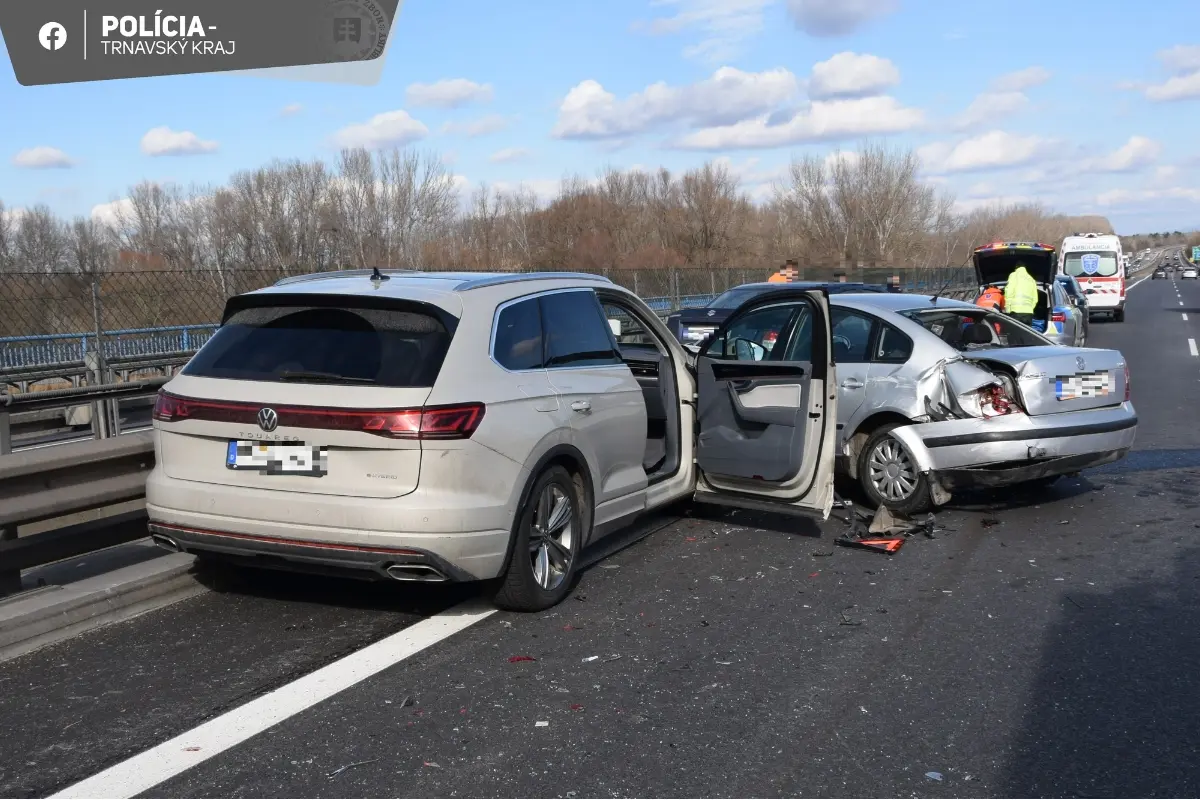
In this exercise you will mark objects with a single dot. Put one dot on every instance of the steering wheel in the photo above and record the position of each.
(844, 341)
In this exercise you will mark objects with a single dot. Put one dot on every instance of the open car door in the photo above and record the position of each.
(767, 407)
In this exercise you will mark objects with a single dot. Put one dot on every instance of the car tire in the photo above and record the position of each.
(546, 544)
(1119, 316)
(883, 449)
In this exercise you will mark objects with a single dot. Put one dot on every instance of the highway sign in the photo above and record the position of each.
(1196, 254)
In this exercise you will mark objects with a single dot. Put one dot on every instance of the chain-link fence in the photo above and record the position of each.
(59, 318)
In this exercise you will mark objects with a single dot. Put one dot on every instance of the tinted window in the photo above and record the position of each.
(894, 347)
(325, 345)
(851, 336)
(518, 343)
(576, 330)
(752, 337)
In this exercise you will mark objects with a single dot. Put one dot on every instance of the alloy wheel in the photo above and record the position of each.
(891, 471)
(552, 538)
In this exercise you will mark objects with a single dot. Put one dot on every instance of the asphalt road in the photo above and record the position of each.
(1041, 645)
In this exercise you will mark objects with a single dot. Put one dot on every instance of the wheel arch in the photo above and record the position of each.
(572, 459)
(857, 440)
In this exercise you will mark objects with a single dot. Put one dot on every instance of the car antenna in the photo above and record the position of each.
(376, 275)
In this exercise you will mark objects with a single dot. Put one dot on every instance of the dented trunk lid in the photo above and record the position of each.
(1054, 380)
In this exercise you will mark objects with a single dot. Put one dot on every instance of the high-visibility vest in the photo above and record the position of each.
(1020, 293)
(778, 277)
(991, 298)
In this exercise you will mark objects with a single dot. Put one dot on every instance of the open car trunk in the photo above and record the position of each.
(316, 394)
(994, 263)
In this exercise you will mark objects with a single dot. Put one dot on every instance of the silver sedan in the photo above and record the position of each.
(937, 395)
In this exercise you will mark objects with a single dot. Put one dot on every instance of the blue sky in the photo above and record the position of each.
(1089, 107)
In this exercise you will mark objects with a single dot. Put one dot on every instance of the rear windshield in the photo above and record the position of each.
(297, 344)
(968, 329)
(1100, 264)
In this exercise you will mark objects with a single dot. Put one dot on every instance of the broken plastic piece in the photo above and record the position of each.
(518, 659)
(541, 724)
(933, 776)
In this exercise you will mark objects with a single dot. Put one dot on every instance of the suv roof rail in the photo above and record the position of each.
(514, 277)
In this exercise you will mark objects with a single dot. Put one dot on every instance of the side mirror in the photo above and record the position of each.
(615, 326)
(746, 350)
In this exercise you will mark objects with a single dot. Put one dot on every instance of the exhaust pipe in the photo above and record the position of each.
(415, 572)
(166, 542)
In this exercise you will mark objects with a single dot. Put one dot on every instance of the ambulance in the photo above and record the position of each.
(1098, 263)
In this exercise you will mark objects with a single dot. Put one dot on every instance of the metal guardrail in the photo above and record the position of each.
(62, 349)
(106, 421)
(55, 482)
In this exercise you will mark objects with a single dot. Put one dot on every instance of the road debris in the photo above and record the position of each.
(340, 770)
(519, 659)
(541, 724)
(590, 659)
(988, 522)
(933, 776)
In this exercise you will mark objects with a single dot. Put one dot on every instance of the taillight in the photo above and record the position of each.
(1126, 383)
(995, 402)
(434, 422)
(1057, 317)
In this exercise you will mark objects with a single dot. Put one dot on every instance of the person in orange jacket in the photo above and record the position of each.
(991, 299)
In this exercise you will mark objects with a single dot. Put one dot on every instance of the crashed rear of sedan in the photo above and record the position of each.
(981, 401)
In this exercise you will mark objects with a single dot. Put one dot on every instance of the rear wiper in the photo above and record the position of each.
(322, 377)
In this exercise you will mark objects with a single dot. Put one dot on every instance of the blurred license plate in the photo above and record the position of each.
(278, 458)
(1086, 384)
(696, 334)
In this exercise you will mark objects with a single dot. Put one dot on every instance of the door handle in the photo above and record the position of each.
(582, 406)
(852, 383)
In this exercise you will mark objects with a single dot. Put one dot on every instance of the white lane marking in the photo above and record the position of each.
(1180, 302)
(1192, 347)
(1184, 317)
(163, 762)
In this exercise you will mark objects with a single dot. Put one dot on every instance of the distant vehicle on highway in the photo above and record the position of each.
(1055, 315)
(1159, 272)
(691, 325)
(1095, 260)
(1188, 272)
(439, 427)
(938, 395)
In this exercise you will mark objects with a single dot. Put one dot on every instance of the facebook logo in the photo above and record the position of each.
(52, 36)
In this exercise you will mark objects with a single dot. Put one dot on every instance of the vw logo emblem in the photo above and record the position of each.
(268, 420)
(712, 312)
(1079, 362)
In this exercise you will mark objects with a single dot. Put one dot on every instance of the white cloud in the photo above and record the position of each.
(968, 204)
(1166, 174)
(1181, 59)
(390, 129)
(492, 123)
(724, 25)
(1004, 97)
(1178, 87)
(822, 121)
(988, 151)
(1021, 80)
(163, 141)
(1135, 154)
(589, 111)
(112, 213)
(544, 189)
(985, 108)
(1128, 197)
(42, 158)
(852, 75)
(836, 17)
(12, 215)
(509, 154)
(847, 157)
(291, 110)
(451, 93)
